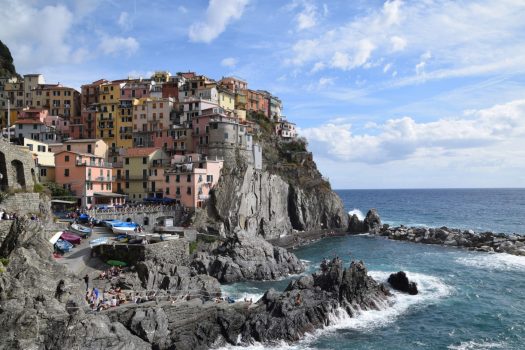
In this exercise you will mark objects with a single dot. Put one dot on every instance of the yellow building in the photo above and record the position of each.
(124, 125)
(57, 99)
(142, 172)
(226, 99)
(44, 159)
(108, 113)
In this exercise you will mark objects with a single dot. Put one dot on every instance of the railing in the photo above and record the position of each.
(103, 178)
(96, 164)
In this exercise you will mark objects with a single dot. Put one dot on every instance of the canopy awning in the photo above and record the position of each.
(108, 195)
(62, 201)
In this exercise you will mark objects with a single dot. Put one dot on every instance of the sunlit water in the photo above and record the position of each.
(467, 300)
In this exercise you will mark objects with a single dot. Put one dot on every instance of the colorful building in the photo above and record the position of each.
(141, 168)
(151, 117)
(91, 146)
(88, 177)
(59, 100)
(191, 178)
(44, 159)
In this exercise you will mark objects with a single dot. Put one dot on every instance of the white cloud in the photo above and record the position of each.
(229, 62)
(36, 36)
(307, 18)
(182, 9)
(475, 132)
(398, 43)
(218, 15)
(466, 39)
(119, 45)
(124, 21)
(387, 67)
(325, 81)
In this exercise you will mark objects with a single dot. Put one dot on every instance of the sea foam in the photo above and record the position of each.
(357, 212)
(431, 289)
(495, 261)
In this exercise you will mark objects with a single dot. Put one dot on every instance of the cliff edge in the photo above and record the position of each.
(287, 193)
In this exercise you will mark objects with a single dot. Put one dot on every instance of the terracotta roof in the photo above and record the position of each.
(28, 121)
(82, 140)
(140, 152)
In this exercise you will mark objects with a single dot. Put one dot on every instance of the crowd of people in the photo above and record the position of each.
(113, 271)
(4, 215)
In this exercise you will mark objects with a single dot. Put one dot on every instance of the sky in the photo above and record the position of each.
(389, 94)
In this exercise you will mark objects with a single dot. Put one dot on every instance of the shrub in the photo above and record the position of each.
(193, 247)
(4, 261)
(38, 188)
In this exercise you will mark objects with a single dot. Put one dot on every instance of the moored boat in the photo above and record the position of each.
(98, 241)
(83, 231)
(63, 246)
(71, 238)
(124, 227)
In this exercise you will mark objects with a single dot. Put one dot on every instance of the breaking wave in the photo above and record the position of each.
(496, 261)
(357, 212)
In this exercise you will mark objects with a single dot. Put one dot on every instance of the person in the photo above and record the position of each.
(86, 279)
(298, 300)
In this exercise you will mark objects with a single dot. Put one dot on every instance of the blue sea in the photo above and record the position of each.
(467, 300)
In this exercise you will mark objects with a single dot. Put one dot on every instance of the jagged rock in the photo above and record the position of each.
(355, 225)
(247, 258)
(265, 204)
(372, 221)
(399, 281)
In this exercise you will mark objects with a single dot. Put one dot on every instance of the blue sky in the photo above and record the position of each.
(390, 94)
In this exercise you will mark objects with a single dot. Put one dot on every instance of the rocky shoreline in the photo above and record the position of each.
(484, 241)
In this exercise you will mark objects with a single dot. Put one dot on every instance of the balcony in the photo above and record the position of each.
(95, 164)
(135, 178)
(103, 179)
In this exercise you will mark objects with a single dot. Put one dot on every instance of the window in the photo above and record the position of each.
(43, 172)
(200, 178)
(127, 186)
(177, 178)
(225, 135)
(66, 159)
(188, 178)
(20, 126)
(66, 172)
(144, 185)
(34, 126)
(145, 160)
(127, 160)
(167, 190)
(177, 190)
(188, 190)
(209, 178)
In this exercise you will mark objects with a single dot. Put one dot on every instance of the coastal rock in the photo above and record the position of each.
(264, 204)
(247, 258)
(372, 221)
(355, 225)
(399, 281)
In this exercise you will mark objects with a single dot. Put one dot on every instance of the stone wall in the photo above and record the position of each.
(26, 204)
(145, 216)
(176, 251)
(17, 168)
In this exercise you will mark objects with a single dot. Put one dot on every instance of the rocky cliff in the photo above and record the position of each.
(7, 68)
(42, 305)
(288, 194)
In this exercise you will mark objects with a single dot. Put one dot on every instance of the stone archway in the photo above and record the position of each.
(18, 169)
(4, 183)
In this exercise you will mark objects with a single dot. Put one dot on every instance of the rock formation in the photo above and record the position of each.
(399, 281)
(247, 258)
(288, 194)
(7, 68)
(371, 223)
(484, 242)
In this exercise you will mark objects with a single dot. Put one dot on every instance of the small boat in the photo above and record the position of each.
(98, 241)
(116, 263)
(110, 223)
(83, 231)
(84, 218)
(63, 246)
(74, 239)
(124, 228)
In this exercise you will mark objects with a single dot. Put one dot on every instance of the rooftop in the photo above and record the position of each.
(140, 152)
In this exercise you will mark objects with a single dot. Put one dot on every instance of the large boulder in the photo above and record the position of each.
(372, 221)
(399, 281)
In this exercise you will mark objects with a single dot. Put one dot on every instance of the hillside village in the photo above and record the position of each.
(164, 139)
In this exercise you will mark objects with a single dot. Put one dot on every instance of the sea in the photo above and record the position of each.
(467, 300)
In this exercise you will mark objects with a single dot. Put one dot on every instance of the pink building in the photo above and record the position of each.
(137, 88)
(88, 177)
(191, 179)
(61, 125)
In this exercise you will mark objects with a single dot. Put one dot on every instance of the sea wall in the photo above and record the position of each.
(176, 251)
(147, 216)
(24, 204)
